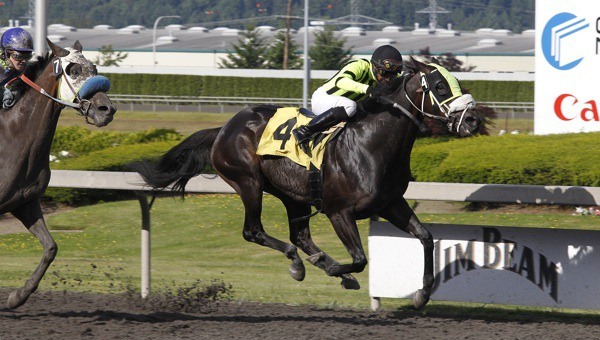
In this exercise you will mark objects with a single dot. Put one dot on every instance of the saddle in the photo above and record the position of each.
(278, 140)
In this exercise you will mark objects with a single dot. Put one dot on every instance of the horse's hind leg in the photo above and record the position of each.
(301, 237)
(403, 217)
(31, 217)
(251, 196)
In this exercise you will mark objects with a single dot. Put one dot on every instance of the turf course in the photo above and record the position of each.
(201, 238)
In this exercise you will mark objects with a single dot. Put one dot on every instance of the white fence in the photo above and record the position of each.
(493, 193)
(177, 103)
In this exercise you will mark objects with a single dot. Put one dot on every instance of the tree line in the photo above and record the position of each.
(253, 51)
(516, 15)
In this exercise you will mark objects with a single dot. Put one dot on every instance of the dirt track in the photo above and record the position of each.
(57, 315)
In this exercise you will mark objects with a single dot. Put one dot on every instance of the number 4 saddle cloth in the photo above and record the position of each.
(278, 140)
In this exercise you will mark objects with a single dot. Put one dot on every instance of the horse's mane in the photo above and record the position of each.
(373, 106)
(33, 70)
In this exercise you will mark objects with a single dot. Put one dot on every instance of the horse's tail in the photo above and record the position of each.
(178, 165)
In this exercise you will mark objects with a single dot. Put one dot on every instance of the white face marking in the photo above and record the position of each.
(76, 70)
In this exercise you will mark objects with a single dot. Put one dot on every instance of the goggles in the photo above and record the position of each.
(388, 66)
(20, 56)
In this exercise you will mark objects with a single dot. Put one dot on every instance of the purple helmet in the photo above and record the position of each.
(17, 39)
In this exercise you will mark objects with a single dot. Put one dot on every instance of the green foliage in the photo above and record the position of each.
(248, 52)
(115, 158)
(108, 56)
(213, 86)
(79, 140)
(276, 53)
(328, 51)
(104, 151)
(110, 159)
(500, 91)
(510, 159)
(515, 15)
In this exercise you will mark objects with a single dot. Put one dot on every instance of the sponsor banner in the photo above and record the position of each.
(487, 264)
(566, 66)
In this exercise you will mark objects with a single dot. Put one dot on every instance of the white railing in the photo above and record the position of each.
(176, 101)
(493, 193)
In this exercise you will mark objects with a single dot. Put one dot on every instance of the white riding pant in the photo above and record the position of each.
(321, 102)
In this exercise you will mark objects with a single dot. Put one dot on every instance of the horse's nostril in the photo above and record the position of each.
(472, 121)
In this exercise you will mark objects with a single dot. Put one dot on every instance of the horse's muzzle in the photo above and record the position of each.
(101, 110)
(465, 123)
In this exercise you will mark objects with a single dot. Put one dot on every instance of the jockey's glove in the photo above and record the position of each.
(8, 99)
(374, 91)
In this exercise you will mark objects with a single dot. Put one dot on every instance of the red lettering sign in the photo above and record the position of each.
(565, 112)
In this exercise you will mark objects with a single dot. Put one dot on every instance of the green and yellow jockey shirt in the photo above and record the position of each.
(352, 80)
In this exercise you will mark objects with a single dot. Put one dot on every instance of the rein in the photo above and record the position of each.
(449, 119)
(44, 92)
(82, 106)
(418, 123)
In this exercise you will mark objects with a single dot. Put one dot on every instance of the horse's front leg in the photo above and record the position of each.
(346, 229)
(402, 216)
(301, 237)
(31, 217)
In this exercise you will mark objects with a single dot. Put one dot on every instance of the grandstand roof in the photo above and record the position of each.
(199, 39)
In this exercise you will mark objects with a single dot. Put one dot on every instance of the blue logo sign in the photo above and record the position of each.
(559, 40)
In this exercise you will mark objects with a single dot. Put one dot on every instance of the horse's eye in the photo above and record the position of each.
(73, 70)
(441, 88)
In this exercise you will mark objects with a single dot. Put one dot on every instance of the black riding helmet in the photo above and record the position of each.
(386, 59)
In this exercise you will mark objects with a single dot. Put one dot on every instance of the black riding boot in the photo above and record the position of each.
(318, 124)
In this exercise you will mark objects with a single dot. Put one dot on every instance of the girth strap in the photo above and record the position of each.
(315, 191)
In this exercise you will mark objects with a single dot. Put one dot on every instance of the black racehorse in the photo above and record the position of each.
(366, 170)
(62, 78)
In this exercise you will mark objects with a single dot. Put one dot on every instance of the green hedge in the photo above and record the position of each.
(78, 140)
(111, 159)
(564, 159)
(511, 159)
(103, 151)
(213, 86)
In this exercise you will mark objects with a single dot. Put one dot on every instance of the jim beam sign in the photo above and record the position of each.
(505, 265)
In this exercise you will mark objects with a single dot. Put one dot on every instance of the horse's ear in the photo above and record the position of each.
(435, 61)
(418, 65)
(77, 46)
(57, 50)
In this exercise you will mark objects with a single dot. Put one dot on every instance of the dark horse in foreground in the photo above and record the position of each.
(62, 78)
(366, 170)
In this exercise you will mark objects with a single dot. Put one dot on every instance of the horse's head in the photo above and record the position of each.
(436, 94)
(80, 86)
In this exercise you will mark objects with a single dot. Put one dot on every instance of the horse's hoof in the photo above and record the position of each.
(420, 299)
(349, 282)
(314, 258)
(14, 300)
(297, 272)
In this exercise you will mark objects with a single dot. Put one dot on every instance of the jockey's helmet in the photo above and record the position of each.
(386, 59)
(17, 39)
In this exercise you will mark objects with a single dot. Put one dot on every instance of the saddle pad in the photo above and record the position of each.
(278, 140)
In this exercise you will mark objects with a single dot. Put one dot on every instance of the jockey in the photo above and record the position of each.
(16, 49)
(336, 100)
